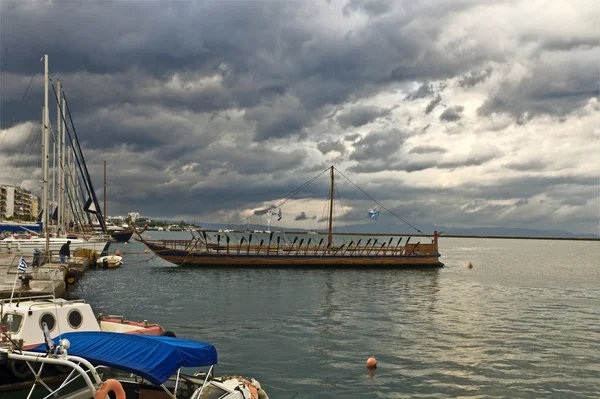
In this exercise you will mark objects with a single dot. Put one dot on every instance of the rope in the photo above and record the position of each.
(284, 200)
(375, 201)
(282, 389)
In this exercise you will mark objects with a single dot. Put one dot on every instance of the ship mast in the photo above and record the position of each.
(105, 188)
(330, 236)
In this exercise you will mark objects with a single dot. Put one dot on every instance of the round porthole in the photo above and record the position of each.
(75, 319)
(49, 319)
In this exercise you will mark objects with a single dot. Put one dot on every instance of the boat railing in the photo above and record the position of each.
(81, 368)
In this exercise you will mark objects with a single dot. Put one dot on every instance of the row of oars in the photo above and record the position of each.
(297, 250)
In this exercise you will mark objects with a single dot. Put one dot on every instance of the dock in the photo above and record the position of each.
(51, 278)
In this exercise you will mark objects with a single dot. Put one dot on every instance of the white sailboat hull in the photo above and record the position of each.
(27, 246)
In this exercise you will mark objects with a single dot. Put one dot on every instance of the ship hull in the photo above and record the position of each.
(121, 236)
(232, 259)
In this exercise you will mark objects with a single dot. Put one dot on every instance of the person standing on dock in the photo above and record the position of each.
(64, 252)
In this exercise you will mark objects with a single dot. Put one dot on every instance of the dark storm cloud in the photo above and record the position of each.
(474, 78)
(370, 7)
(378, 145)
(534, 165)
(351, 137)
(426, 149)
(432, 104)
(416, 165)
(301, 216)
(195, 103)
(452, 114)
(557, 84)
(425, 90)
(328, 146)
(361, 115)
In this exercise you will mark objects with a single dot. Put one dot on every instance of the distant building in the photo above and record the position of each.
(134, 216)
(116, 219)
(17, 203)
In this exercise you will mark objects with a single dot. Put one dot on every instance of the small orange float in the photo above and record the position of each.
(470, 266)
(371, 362)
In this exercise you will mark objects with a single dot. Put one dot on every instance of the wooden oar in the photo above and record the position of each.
(307, 245)
(218, 242)
(366, 245)
(348, 247)
(396, 248)
(240, 244)
(227, 238)
(373, 246)
(299, 245)
(295, 239)
(260, 246)
(339, 249)
(406, 245)
(415, 247)
(379, 250)
(249, 241)
(318, 246)
(278, 239)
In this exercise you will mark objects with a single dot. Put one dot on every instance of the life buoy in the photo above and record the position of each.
(110, 385)
(19, 369)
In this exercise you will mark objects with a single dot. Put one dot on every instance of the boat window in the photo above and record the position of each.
(49, 319)
(12, 321)
(213, 392)
(74, 318)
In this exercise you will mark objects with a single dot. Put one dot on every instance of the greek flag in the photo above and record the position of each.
(22, 265)
(279, 216)
(374, 214)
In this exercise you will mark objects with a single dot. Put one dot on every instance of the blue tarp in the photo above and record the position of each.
(153, 358)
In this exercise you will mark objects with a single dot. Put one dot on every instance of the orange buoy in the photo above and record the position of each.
(108, 386)
(118, 253)
(146, 251)
(470, 266)
(371, 362)
(125, 243)
(148, 236)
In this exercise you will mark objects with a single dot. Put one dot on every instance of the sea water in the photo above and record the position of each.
(524, 322)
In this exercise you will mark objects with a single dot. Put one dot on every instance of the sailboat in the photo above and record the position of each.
(369, 251)
(51, 242)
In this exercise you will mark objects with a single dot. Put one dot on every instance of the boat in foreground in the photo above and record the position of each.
(152, 365)
(377, 250)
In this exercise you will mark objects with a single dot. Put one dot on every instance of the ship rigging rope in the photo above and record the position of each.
(375, 201)
(283, 200)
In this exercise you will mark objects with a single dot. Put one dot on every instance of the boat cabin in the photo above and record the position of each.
(23, 320)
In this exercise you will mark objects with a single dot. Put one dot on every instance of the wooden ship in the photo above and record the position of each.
(275, 250)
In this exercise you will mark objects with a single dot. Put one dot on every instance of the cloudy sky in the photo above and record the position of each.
(452, 112)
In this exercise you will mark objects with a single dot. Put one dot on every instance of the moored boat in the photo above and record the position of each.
(377, 251)
(133, 367)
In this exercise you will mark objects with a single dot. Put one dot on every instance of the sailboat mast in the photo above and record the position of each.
(46, 155)
(60, 162)
(105, 188)
(330, 236)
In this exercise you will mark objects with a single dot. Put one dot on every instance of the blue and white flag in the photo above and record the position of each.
(374, 214)
(22, 265)
(279, 216)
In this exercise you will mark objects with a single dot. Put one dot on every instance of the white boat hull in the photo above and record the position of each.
(27, 246)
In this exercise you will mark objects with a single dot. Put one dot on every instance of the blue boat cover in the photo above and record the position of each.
(155, 358)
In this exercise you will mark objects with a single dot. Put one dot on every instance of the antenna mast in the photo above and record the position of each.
(330, 236)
